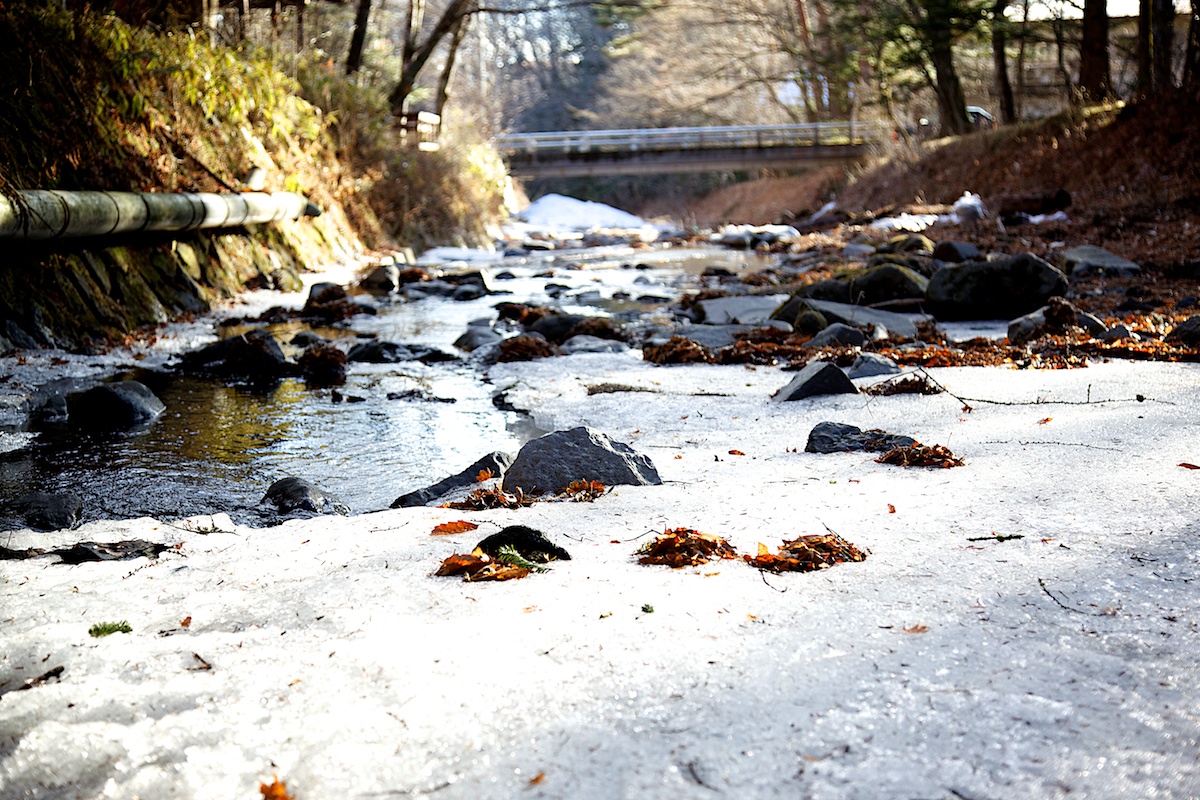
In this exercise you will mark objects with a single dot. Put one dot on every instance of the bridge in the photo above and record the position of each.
(706, 149)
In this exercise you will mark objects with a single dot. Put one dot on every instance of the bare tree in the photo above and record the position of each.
(358, 40)
(1094, 79)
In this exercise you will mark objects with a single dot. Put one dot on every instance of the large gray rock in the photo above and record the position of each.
(838, 334)
(819, 377)
(712, 336)
(993, 289)
(297, 494)
(741, 310)
(903, 325)
(869, 365)
(495, 463)
(1087, 259)
(552, 462)
(836, 437)
(114, 406)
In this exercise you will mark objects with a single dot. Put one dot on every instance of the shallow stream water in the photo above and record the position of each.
(218, 447)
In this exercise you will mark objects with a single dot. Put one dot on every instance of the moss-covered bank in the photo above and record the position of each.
(100, 105)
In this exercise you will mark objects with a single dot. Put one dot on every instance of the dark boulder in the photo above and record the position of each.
(554, 461)
(838, 335)
(993, 289)
(323, 365)
(818, 378)
(495, 463)
(836, 437)
(297, 494)
(1185, 333)
(44, 511)
(113, 406)
(530, 543)
(252, 356)
(954, 252)
(380, 352)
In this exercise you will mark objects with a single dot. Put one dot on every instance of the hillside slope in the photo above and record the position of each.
(1133, 176)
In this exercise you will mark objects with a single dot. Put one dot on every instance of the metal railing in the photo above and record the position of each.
(700, 138)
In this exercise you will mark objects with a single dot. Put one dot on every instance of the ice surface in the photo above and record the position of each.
(1059, 664)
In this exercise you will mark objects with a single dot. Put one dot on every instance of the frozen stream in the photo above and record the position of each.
(218, 447)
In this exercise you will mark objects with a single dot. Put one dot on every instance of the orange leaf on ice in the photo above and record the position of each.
(277, 790)
(736, 453)
(450, 528)
(1186, 465)
(1044, 421)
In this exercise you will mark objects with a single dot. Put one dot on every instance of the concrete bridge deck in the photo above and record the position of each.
(702, 149)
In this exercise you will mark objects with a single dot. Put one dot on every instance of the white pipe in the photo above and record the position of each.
(50, 214)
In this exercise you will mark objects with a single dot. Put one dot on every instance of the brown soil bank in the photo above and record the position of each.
(1133, 175)
(102, 106)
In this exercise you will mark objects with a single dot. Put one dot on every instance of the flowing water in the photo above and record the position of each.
(218, 447)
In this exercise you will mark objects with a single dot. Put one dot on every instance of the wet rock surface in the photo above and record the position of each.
(552, 462)
(296, 494)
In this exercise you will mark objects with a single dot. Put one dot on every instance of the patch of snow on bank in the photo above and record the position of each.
(559, 211)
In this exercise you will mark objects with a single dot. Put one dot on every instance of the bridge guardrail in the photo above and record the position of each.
(741, 136)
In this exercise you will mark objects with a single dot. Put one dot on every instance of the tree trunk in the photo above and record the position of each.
(1060, 46)
(417, 52)
(1004, 90)
(1093, 51)
(1163, 42)
(1145, 80)
(359, 39)
(952, 107)
(443, 87)
(1191, 59)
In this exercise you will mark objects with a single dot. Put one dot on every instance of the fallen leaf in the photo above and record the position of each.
(1186, 465)
(891, 509)
(536, 779)
(678, 457)
(736, 453)
(450, 528)
(915, 628)
(484, 475)
(185, 622)
(1044, 421)
(276, 791)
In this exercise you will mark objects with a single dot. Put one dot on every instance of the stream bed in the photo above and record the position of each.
(391, 429)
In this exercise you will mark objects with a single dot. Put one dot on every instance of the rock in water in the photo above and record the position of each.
(43, 511)
(297, 494)
(114, 406)
(552, 462)
(531, 543)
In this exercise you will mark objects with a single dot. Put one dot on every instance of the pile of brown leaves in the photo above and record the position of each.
(484, 499)
(916, 384)
(806, 554)
(919, 455)
(479, 566)
(583, 491)
(678, 350)
(684, 547)
(527, 347)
